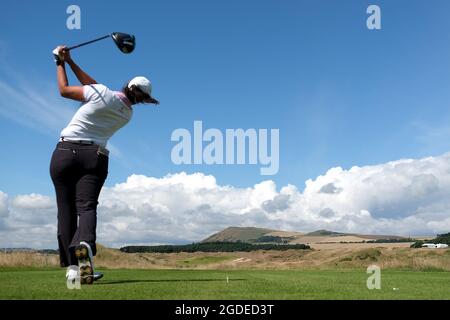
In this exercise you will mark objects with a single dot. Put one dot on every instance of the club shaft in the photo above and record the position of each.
(88, 42)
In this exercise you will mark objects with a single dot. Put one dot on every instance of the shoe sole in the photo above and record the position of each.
(84, 263)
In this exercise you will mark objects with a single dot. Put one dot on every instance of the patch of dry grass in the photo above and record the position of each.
(28, 259)
(320, 259)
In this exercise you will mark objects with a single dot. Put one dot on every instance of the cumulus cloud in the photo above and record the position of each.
(30, 221)
(279, 203)
(404, 197)
(32, 201)
(330, 188)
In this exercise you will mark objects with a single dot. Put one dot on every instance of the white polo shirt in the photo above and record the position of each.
(101, 114)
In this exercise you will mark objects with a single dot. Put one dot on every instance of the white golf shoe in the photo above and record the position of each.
(72, 273)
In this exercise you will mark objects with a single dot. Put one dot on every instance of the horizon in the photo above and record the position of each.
(240, 227)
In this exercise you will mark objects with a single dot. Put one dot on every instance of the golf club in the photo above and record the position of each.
(124, 41)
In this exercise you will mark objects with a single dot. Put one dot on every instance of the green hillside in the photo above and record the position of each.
(238, 234)
(323, 233)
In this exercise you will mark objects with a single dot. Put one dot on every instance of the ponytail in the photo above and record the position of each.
(135, 95)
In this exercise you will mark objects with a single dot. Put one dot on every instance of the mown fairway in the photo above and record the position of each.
(212, 284)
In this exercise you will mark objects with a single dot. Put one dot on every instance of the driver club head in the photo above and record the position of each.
(124, 41)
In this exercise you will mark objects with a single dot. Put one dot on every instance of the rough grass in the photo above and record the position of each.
(338, 258)
(212, 284)
(28, 259)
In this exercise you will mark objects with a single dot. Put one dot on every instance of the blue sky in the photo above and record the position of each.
(340, 94)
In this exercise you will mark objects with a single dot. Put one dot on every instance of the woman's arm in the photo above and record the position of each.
(70, 92)
(82, 76)
(66, 91)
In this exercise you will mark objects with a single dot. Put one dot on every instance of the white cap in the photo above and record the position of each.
(142, 83)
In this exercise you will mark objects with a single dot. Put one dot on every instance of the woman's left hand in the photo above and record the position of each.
(66, 54)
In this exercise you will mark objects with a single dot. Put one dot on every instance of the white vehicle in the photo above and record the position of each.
(434, 246)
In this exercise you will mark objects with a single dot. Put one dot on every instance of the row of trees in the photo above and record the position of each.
(394, 240)
(441, 238)
(212, 247)
(273, 239)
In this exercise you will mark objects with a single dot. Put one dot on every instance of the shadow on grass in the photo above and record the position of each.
(163, 280)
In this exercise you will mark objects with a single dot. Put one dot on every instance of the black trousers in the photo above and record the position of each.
(78, 173)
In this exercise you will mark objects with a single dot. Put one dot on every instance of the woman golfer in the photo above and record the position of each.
(79, 164)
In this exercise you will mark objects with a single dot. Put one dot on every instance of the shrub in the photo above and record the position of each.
(371, 254)
(417, 244)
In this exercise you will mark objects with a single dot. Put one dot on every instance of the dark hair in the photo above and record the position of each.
(135, 95)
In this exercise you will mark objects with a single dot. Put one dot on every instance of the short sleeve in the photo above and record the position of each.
(88, 93)
(94, 91)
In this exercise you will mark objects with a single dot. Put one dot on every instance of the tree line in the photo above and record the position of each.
(212, 247)
(441, 238)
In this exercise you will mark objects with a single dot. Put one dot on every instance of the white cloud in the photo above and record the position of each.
(404, 197)
(32, 201)
(30, 222)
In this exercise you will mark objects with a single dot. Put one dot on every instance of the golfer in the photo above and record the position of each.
(79, 164)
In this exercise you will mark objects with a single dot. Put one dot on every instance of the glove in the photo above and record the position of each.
(58, 59)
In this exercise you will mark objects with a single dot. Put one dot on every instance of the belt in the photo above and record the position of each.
(86, 142)
(101, 149)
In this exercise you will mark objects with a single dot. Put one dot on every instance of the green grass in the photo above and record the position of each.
(212, 284)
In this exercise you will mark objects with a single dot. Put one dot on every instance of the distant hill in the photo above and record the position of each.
(238, 234)
(268, 236)
(8, 250)
(43, 251)
(321, 233)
